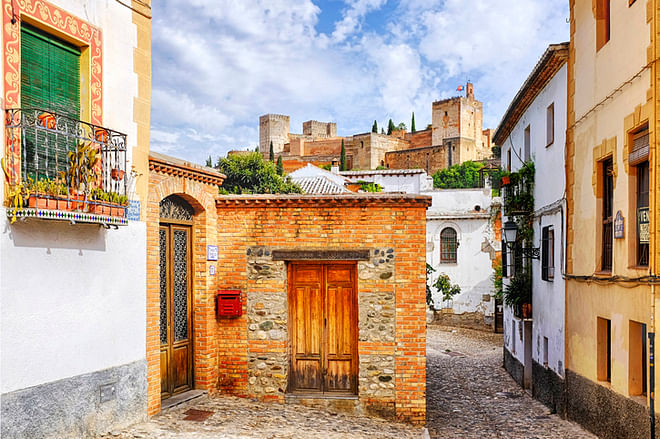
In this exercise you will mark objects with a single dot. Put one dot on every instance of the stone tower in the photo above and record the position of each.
(273, 128)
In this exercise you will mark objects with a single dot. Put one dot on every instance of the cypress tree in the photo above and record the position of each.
(390, 127)
(342, 162)
(209, 162)
(382, 130)
(412, 126)
(272, 153)
(374, 128)
(280, 166)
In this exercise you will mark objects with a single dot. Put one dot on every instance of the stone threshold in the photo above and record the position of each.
(294, 396)
(182, 398)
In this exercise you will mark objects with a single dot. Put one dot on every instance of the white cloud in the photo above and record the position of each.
(219, 65)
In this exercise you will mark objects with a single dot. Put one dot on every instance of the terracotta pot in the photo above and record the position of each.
(47, 120)
(101, 209)
(505, 180)
(101, 135)
(72, 202)
(37, 202)
(117, 174)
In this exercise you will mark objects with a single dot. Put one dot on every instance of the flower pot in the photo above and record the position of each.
(72, 202)
(101, 135)
(102, 209)
(37, 201)
(505, 180)
(47, 120)
(118, 211)
(117, 174)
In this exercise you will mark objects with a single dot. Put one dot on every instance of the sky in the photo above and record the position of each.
(220, 64)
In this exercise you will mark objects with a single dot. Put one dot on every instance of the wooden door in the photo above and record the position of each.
(323, 328)
(176, 350)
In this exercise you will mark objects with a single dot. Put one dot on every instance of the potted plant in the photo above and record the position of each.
(47, 120)
(38, 194)
(518, 293)
(117, 174)
(101, 135)
(81, 173)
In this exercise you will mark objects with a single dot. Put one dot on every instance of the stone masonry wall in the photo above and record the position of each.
(391, 294)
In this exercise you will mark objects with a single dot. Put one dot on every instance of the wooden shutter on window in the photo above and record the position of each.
(50, 73)
(640, 148)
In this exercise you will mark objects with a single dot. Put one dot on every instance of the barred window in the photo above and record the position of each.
(448, 245)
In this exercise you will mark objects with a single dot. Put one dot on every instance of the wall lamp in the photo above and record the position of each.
(510, 233)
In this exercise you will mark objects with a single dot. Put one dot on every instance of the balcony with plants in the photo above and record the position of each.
(57, 167)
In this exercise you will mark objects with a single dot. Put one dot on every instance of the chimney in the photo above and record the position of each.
(335, 166)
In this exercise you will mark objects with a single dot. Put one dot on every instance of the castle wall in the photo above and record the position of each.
(275, 128)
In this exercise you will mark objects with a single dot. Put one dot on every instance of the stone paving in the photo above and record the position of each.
(469, 395)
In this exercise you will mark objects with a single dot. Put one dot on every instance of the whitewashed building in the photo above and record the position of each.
(534, 128)
(460, 242)
(73, 281)
(410, 181)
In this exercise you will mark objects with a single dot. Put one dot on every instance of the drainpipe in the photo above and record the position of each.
(652, 255)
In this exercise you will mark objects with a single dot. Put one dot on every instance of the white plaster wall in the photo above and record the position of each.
(408, 183)
(473, 270)
(73, 300)
(548, 304)
(73, 297)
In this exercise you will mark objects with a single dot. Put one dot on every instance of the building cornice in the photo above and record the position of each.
(163, 164)
(313, 201)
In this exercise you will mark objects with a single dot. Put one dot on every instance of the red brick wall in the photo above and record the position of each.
(299, 223)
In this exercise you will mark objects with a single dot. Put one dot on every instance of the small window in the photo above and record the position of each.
(637, 359)
(448, 246)
(643, 214)
(505, 268)
(550, 124)
(607, 217)
(528, 144)
(508, 160)
(604, 347)
(548, 254)
(602, 23)
(545, 351)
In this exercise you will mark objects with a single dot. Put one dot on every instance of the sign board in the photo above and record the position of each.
(212, 270)
(211, 252)
(619, 226)
(643, 225)
(133, 211)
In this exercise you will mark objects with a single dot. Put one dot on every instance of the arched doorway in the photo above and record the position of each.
(176, 326)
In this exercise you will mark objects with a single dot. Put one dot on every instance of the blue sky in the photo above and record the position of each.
(218, 65)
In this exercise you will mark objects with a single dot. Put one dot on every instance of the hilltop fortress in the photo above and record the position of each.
(456, 135)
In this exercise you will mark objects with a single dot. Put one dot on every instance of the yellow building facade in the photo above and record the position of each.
(612, 241)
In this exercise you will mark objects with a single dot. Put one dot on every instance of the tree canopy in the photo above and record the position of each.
(465, 175)
(374, 128)
(342, 159)
(390, 127)
(251, 174)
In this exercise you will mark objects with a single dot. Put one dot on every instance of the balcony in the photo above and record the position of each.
(61, 168)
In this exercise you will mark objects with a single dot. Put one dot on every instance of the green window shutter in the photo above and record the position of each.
(50, 80)
(50, 73)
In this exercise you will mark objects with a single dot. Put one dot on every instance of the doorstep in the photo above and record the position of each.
(182, 398)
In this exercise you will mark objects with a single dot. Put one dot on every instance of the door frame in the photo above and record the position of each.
(168, 222)
(356, 361)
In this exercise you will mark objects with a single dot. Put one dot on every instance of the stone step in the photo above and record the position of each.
(191, 396)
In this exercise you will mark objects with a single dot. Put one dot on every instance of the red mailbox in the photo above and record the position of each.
(229, 303)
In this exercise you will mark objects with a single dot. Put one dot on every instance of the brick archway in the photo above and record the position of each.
(198, 189)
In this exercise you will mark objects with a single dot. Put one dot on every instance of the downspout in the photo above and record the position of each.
(652, 254)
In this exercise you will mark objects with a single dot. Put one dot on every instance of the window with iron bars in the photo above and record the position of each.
(448, 246)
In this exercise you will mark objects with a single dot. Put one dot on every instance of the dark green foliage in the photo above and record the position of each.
(401, 126)
(444, 286)
(519, 289)
(496, 151)
(390, 127)
(327, 167)
(280, 166)
(412, 125)
(518, 200)
(465, 175)
(497, 278)
(251, 174)
(382, 130)
(271, 157)
(209, 162)
(429, 295)
(342, 159)
(374, 128)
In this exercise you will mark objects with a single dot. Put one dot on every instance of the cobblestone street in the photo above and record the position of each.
(469, 396)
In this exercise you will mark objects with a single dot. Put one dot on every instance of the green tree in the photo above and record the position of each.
(374, 128)
(382, 130)
(390, 127)
(465, 175)
(401, 126)
(280, 166)
(412, 124)
(342, 159)
(209, 161)
(251, 174)
(271, 157)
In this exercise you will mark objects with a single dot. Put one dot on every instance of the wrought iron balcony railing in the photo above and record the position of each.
(38, 147)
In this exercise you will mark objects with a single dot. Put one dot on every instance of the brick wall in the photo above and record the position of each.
(253, 354)
(420, 139)
(430, 158)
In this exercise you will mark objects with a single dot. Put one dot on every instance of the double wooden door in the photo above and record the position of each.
(176, 344)
(323, 328)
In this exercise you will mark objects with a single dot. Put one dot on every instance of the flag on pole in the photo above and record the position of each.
(460, 88)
